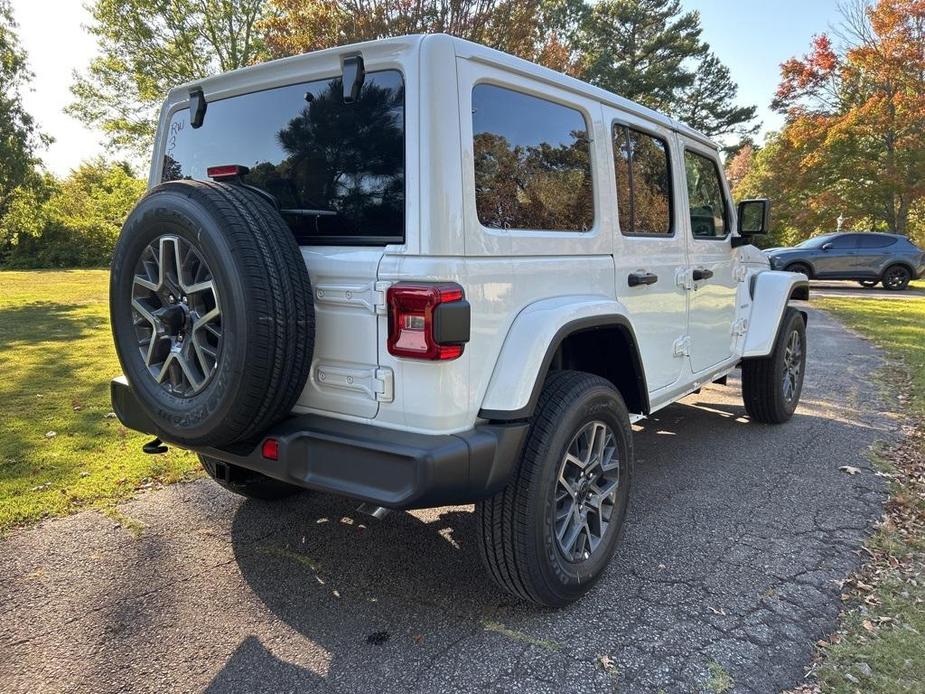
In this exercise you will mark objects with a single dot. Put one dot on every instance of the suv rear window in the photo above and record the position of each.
(336, 169)
(532, 162)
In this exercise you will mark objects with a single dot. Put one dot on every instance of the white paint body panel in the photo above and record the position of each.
(772, 291)
(522, 285)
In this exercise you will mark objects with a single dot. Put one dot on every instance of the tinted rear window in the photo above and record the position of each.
(532, 162)
(876, 240)
(337, 169)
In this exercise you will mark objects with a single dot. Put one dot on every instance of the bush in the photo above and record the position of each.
(70, 223)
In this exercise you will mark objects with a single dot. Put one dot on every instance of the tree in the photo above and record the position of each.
(524, 28)
(651, 52)
(19, 136)
(71, 222)
(148, 46)
(855, 129)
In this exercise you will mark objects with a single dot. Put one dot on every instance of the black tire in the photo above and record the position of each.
(763, 388)
(800, 267)
(518, 542)
(264, 352)
(245, 482)
(868, 284)
(896, 278)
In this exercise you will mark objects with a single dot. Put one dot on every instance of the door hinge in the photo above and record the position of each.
(384, 385)
(740, 327)
(379, 301)
(740, 273)
(684, 278)
(682, 346)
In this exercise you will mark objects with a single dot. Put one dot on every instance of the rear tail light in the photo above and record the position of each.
(427, 321)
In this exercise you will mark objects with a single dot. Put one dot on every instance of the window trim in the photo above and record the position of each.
(592, 153)
(726, 202)
(672, 227)
(328, 240)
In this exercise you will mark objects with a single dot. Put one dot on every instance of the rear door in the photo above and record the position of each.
(873, 252)
(336, 170)
(712, 276)
(650, 254)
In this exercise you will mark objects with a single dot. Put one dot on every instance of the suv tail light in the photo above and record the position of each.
(427, 321)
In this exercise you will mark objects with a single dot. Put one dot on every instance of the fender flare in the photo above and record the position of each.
(531, 343)
(771, 292)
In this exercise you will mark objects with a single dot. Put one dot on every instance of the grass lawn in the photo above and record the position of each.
(60, 449)
(880, 646)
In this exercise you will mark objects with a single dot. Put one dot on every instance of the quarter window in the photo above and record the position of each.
(875, 241)
(532, 162)
(643, 182)
(705, 197)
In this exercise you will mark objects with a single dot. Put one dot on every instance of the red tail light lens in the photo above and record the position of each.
(413, 321)
(217, 173)
(270, 449)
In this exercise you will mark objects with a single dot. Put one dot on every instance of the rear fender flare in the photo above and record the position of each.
(532, 342)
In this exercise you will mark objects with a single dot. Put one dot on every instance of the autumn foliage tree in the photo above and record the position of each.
(523, 28)
(854, 139)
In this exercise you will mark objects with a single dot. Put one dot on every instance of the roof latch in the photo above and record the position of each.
(353, 76)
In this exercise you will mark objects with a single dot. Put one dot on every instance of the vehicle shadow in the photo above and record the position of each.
(381, 599)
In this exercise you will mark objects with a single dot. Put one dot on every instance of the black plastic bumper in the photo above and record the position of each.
(395, 469)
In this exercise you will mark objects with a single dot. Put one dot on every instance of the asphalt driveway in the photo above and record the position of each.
(737, 538)
(853, 289)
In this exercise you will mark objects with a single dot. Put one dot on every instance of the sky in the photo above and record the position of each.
(752, 37)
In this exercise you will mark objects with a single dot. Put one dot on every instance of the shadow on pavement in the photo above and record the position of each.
(717, 529)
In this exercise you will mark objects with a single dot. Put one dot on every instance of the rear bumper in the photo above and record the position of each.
(395, 469)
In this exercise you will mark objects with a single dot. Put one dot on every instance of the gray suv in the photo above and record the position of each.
(868, 257)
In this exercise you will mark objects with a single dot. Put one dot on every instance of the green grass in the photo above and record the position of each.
(56, 360)
(880, 643)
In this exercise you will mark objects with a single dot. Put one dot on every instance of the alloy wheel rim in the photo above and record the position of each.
(895, 278)
(176, 315)
(586, 491)
(793, 365)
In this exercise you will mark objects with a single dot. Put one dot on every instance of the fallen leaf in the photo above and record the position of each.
(50, 434)
(850, 469)
(607, 664)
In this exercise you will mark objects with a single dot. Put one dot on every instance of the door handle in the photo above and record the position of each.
(701, 274)
(637, 278)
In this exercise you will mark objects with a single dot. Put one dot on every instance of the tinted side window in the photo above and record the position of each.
(336, 169)
(705, 196)
(845, 242)
(643, 182)
(532, 162)
(875, 241)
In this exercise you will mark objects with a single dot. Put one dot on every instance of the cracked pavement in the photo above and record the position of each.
(737, 537)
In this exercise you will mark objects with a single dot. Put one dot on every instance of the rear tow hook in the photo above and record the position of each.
(154, 447)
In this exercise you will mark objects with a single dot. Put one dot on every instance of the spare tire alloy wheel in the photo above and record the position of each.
(586, 491)
(178, 316)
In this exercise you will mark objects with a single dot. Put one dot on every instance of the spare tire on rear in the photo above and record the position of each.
(212, 312)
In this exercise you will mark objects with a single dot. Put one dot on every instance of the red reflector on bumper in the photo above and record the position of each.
(270, 449)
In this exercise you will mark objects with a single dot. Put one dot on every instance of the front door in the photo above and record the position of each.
(711, 262)
(649, 246)
(837, 257)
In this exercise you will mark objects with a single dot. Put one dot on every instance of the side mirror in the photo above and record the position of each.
(753, 220)
(826, 246)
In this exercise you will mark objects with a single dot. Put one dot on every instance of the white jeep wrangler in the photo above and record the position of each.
(420, 272)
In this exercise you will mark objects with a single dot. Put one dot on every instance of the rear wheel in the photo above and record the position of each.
(896, 277)
(771, 385)
(245, 482)
(868, 283)
(551, 533)
(799, 267)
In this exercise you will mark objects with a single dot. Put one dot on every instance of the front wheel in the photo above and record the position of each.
(801, 268)
(771, 385)
(896, 278)
(550, 534)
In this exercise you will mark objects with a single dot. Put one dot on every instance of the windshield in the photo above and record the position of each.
(336, 169)
(815, 242)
